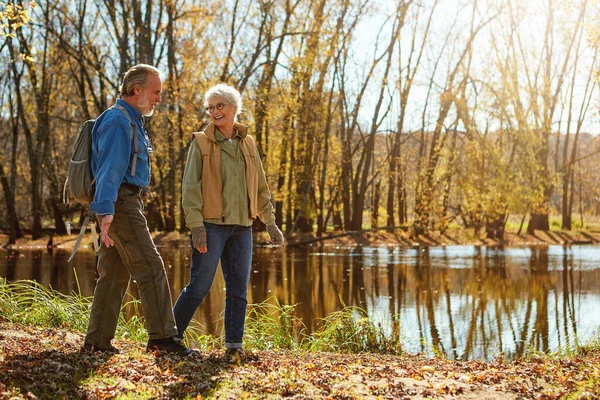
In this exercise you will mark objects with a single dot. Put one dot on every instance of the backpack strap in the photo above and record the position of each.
(66, 191)
(84, 226)
(134, 136)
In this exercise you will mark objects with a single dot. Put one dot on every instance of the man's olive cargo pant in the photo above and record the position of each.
(133, 255)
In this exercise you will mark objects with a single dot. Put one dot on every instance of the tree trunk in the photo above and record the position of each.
(173, 127)
(571, 200)
(346, 175)
(9, 198)
(363, 170)
(309, 95)
(145, 40)
(375, 209)
(402, 206)
(266, 80)
(538, 222)
(566, 206)
(279, 202)
(494, 228)
(155, 221)
(36, 202)
(392, 179)
(289, 213)
(539, 218)
(57, 213)
(338, 224)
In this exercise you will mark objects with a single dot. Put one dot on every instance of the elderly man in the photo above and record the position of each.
(122, 170)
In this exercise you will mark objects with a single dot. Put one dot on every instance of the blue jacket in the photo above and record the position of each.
(112, 155)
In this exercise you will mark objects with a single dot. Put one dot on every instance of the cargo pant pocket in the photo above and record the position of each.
(127, 245)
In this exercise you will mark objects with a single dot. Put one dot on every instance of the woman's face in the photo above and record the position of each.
(221, 111)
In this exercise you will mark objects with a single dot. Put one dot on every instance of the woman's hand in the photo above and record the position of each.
(199, 238)
(275, 235)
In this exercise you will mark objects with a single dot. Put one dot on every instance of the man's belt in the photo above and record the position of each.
(132, 187)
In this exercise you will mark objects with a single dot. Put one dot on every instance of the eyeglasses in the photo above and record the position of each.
(219, 107)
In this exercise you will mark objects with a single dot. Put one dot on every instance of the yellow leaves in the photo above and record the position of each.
(14, 17)
(480, 377)
(424, 372)
(427, 368)
(566, 380)
(166, 371)
(449, 389)
(26, 58)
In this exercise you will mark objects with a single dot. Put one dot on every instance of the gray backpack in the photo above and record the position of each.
(80, 181)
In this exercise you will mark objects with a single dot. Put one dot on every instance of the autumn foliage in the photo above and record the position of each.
(416, 114)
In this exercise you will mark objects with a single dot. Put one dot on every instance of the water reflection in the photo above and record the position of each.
(464, 302)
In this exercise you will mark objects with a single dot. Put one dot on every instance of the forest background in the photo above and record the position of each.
(420, 114)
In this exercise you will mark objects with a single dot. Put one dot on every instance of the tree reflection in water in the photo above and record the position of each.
(462, 302)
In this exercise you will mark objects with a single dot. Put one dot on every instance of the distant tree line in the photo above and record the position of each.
(413, 113)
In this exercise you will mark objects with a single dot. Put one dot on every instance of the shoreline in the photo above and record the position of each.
(398, 238)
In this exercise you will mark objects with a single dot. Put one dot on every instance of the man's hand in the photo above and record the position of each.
(199, 238)
(104, 225)
(275, 235)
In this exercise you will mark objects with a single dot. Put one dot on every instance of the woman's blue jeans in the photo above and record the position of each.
(232, 244)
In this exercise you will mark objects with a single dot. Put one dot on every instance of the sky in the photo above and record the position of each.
(532, 31)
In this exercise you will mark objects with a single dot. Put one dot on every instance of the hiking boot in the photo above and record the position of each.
(236, 355)
(178, 339)
(168, 345)
(92, 348)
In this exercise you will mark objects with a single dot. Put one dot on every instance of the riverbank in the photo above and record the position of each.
(42, 330)
(395, 238)
(45, 363)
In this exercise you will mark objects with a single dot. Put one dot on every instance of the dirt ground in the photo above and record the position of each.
(46, 363)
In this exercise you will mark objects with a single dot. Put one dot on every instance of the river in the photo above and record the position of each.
(463, 302)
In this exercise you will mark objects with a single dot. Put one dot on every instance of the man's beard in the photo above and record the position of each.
(144, 106)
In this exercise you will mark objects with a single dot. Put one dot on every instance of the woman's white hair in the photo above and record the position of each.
(230, 93)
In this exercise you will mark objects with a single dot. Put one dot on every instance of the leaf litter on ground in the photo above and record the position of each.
(46, 363)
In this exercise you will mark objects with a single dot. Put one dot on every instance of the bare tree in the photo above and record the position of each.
(568, 162)
(454, 82)
(406, 79)
(544, 113)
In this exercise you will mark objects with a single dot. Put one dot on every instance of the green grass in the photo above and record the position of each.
(352, 330)
(273, 326)
(30, 303)
(590, 222)
(593, 346)
(586, 390)
(269, 325)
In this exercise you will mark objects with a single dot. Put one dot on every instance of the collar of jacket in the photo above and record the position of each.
(241, 129)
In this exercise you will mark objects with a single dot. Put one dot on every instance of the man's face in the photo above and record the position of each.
(149, 96)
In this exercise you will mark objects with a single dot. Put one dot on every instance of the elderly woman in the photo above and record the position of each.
(224, 190)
